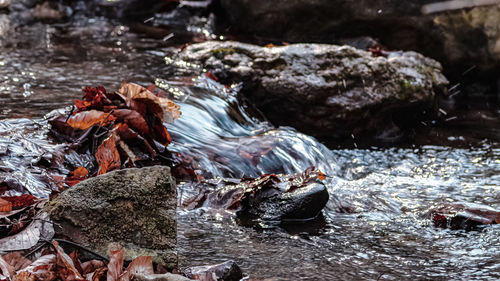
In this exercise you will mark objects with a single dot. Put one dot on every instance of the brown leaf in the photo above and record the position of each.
(107, 156)
(141, 266)
(138, 96)
(42, 269)
(162, 135)
(7, 269)
(86, 119)
(25, 276)
(115, 265)
(98, 274)
(5, 206)
(92, 265)
(66, 267)
(133, 119)
(78, 265)
(16, 260)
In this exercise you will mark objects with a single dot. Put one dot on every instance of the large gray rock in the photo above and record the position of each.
(456, 38)
(132, 208)
(326, 90)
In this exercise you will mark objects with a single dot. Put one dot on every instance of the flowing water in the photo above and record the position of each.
(389, 237)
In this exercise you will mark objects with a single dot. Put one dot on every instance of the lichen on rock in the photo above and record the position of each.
(132, 208)
(325, 90)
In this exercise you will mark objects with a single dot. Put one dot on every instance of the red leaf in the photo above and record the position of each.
(211, 76)
(21, 201)
(86, 119)
(107, 156)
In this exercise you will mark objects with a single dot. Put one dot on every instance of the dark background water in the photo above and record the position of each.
(44, 67)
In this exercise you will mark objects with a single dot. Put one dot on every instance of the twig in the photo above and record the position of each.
(76, 245)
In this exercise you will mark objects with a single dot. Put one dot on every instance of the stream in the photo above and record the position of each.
(389, 237)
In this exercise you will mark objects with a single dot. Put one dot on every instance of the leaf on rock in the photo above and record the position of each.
(86, 119)
(107, 156)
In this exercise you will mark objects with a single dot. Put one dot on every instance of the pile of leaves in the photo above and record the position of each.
(55, 264)
(230, 195)
(119, 129)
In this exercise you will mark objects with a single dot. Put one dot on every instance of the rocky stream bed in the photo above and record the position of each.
(396, 107)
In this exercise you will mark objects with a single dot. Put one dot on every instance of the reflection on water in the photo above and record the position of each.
(388, 237)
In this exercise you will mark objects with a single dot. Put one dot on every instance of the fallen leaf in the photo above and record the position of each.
(107, 156)
(5, 206)
(136, 94)
(86, 119)
(76, 176)
(20, 201)
(29, 237)
(16, 260)
(42, 269)
(66, 269)
(115, 265)
(92, 265)
(141, 266)
(133, 119)
(7, 269)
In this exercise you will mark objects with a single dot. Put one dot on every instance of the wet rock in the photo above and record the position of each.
(131, 208)
(456, 38)
(326, 90)
(227, 271)
(464, 216)
(471, 35)
(269, 198)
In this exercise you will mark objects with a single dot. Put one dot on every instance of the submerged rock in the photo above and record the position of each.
(132, 208)
(326, 90)
(464, 216)
(269, 198)
(227, 271)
